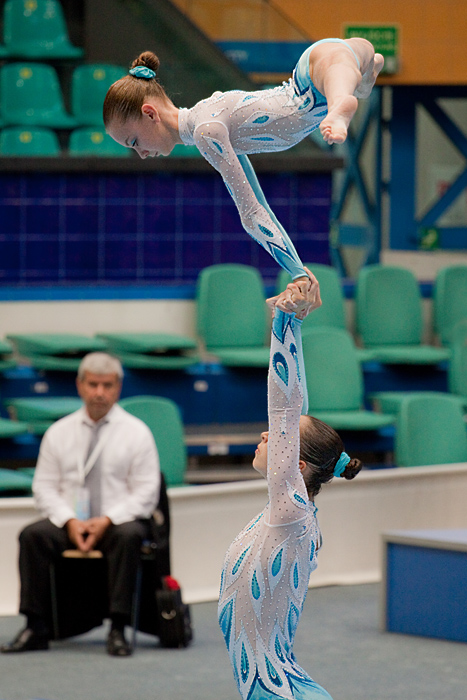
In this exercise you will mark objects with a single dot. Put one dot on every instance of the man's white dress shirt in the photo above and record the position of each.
(129, 463)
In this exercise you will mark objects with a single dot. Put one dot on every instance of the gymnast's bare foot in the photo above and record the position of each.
(334, 127)
(369, 77)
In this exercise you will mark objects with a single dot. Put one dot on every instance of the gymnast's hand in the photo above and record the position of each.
(300, 297)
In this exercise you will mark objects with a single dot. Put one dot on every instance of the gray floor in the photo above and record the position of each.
(338, 642)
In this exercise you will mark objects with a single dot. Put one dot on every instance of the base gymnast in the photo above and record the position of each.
(323, 93)
(267, 567)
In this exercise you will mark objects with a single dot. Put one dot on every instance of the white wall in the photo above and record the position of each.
(424, 264)
(91, 317)
(352, 516)
(15, 513)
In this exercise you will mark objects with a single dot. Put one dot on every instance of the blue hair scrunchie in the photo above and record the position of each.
(341, 464)
(143, 72)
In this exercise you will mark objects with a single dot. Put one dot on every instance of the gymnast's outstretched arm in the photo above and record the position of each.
(286, 393)
(213, 141)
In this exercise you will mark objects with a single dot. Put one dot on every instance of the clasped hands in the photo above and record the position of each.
(301, 297)
(86, 533)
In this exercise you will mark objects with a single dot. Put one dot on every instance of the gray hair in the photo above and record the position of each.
(100, 363)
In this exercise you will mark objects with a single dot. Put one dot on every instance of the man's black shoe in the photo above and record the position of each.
(117, 644)
(26, 640)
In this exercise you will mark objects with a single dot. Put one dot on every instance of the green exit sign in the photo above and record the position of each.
(385, 39)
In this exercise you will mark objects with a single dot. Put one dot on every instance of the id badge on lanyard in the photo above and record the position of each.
(82, 503)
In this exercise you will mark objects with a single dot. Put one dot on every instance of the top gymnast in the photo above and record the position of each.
(327, 80)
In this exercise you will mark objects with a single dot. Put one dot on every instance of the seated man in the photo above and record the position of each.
(96, 484)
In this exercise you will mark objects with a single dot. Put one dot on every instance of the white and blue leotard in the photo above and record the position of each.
(267, 567)
(228, 126)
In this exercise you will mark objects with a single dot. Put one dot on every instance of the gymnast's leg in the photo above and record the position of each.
(343, 71)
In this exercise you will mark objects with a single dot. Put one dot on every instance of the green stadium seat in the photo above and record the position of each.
(232, 315)
(42, 408)
(37, 141)
(55, 344)
(449, 300)
(89, 87)
(55, 351)
(389, 317)
(182, 151)
(335, 381)
(391, 401)
(6, 359)
(15, 482)
(30, 471)
(430, 430)
(11, 428)
(30, 95)
(36, 29)
(52, 363)
(39, 412)
(163, 418)
(93, 141)
(152, 350)
(457, 368)
(39, 427)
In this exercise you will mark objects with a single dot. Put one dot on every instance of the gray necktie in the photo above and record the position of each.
(92, 480)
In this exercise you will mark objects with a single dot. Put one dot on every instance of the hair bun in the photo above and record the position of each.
(352, 469)
(148, 59)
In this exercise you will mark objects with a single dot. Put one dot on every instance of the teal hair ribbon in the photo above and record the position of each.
(341, 464)
(143, 72)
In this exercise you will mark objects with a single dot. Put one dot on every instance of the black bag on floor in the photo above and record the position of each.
(175, 628)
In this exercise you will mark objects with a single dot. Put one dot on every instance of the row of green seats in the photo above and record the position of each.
(388, 306)
(233, 323)
(84, 141)
(335, 395)
(42, 141)
(31, 95)
(64, 351)
(336, 392)
(36, 29)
